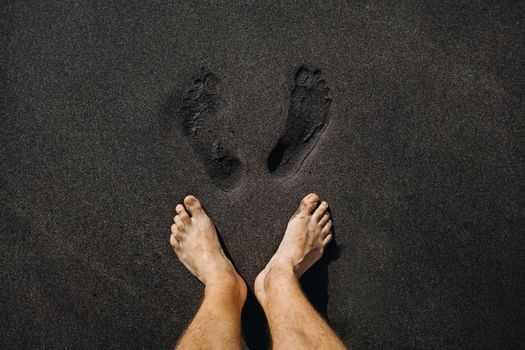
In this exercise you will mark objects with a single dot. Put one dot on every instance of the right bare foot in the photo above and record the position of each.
(195, 241)
(306, 236)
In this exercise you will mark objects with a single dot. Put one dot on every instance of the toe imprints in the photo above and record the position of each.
(307, 119)
(308, 116)
(199, 119)
(200, 104)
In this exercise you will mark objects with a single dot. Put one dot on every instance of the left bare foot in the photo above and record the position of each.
(195, 241)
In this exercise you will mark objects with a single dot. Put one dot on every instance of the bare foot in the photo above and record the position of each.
(195, 241)
(306, 236)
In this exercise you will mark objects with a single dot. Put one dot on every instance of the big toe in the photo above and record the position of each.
(193, 205)
(309, 203)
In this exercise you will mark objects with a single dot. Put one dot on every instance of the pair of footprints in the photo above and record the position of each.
(307, 119)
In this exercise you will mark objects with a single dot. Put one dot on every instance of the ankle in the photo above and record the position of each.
(275, 283)
(280, 273)
(228, 284)
(280, 269)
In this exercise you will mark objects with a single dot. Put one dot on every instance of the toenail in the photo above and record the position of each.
(312, 196)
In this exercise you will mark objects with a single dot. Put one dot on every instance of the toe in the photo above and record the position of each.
(193, 205)
(198, 84)
(210, 82)
(183, 214)
(309, 203)
(178, 222)
(324, 219)
(326, 229)
(302, 76)
(320, 211)
(327, 240)
(173, 242)
(175, 231)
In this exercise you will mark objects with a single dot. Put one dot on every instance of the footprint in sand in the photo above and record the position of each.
(198, 119)
(307, 119)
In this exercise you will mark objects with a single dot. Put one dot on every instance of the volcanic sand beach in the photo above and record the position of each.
(406, 118)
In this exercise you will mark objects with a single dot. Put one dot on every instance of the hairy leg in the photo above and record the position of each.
(293, 322)
(217, 324)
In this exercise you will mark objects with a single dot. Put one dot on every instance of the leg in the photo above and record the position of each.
(294, 323)
(218, 321)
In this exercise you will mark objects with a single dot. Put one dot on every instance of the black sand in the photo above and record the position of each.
(419, 151)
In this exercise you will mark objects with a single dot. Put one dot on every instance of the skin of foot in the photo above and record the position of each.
(195, 241)
(303, 244)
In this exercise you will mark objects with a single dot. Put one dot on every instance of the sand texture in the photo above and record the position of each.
(406, 116)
